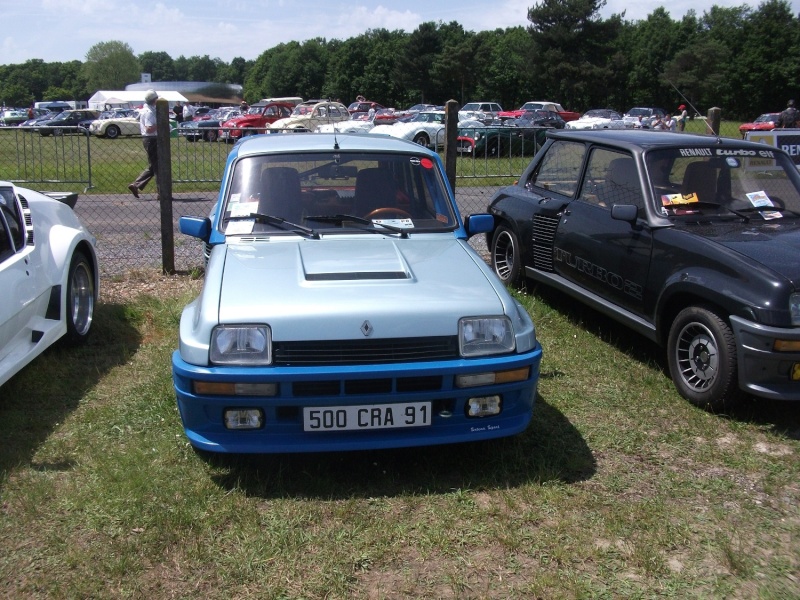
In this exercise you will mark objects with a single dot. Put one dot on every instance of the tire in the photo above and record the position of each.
(422, 139)
(211, 136)
(506, 257)
(112, 132)
(701, 352)
(79, 309)
(493, 148)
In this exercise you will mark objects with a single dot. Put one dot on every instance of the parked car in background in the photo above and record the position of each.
(538, 118)
(765, 122)
(642, 117)
(363, 106)
(358, 123)
(689, 240)
(109, 114)
(598, 118)
(425, 128)
(48, 273)
(12, 117)
(307, 116)
(258, 118)
(485, 112)
(494, 141)
(343, 308)
(567, 115)
(31, 124)
(118, 124)
(66, 122)
(388, 116)
(207, 128)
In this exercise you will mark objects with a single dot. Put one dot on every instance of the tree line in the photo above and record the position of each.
(742, 59)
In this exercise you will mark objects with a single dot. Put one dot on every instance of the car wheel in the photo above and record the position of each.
(701, 352)
(112, 132)
(80, 298)
(493, 148)
(422, 139)
(211, 136)
(506, 257)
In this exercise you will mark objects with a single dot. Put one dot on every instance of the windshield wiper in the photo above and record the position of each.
(370, 226)
(279, 223)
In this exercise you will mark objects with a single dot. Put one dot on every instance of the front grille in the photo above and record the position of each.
(362, 352)
(544, 235)
(352, 387)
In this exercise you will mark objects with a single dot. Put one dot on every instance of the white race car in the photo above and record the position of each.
(598, 118)
(425, 129)
(48, 274)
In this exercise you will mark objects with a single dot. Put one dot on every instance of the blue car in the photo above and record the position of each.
(343, 308)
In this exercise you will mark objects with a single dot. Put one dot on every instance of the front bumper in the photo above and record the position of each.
(763, 372)
(360, 385)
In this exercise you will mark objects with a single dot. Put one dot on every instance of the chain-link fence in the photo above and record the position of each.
(128, 229)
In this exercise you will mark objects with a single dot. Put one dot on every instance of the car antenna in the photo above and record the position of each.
(333, 123)
(689, 102)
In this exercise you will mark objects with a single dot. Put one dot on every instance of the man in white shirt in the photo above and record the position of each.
(148, 129)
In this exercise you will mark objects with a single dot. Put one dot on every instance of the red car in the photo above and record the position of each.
(363, 106)
(567, 115)
(765, 122)
(258, 118)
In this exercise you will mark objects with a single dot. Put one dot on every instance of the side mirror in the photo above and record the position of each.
(625, 212)
(478, 223)
(199, 227)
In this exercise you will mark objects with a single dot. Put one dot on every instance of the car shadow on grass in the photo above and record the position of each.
(41, 396)
(550, 450)
(779, 417)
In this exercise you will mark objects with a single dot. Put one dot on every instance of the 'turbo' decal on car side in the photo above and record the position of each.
(612, 279)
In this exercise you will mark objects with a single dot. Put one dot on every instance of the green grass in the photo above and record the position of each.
(618, 489)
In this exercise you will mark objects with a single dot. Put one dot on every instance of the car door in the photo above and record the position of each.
(602, 254)
(17, 275)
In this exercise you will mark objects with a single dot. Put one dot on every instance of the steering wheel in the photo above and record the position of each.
(386, 212)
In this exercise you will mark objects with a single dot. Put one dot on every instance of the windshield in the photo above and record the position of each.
(532, 106)
(428, 117)
(401, 190)
(715, 181)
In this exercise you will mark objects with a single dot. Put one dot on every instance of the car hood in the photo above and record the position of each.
(381, 280)
(774, 245)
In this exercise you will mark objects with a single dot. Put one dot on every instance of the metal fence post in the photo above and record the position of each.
(164, 180)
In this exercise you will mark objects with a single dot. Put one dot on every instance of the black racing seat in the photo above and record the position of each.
(281, 193)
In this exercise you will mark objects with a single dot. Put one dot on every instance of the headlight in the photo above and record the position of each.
(794, 308)
(481, 336)
(241, 345)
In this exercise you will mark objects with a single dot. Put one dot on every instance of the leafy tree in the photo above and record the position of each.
(413, 68)
(502, 66)
(110, 66)
(768, 64)
(573, 50)
(15, 94)
(159, 64)
(202, 68)
(235, 72)
(452, 70)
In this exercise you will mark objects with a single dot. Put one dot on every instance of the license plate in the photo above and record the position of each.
(369, 416)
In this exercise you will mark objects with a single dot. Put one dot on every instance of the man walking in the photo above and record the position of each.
(788, 117)
(147, 126)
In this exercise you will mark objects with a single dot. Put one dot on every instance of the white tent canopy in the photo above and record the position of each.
(129, 99)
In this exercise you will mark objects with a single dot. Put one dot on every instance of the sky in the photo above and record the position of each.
(59, 31)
